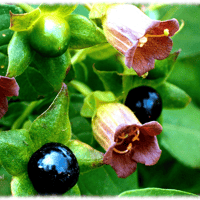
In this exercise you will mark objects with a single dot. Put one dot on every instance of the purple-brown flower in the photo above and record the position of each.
(139, 38)
(126, 141)
(8, 88)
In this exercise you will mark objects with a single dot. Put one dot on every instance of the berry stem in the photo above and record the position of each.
(88, 6)
(81, 87)
(26, 7)
(19, 122)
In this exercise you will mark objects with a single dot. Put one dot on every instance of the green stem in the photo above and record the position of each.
(88, 6)
(26, 7)
(81, 87)
(19, 122)
(78, 57)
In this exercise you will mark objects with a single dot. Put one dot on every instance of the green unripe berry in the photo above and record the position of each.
(50, 36)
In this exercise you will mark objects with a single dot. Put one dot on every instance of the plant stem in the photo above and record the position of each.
(18, 123)
(26, 7)
(81, 87)
(78, 57)
(88, 6)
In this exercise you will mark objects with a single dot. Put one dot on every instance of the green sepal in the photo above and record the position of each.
(16, 150)
(22, 186)
(93, 100)
(173, 96)
(53, 125)
(61, 10)
(53, 69)
(87, 157)
(98, 10)
(155, 192)
(23, 22)
(19, 54)
(75, 191)
(84, 33)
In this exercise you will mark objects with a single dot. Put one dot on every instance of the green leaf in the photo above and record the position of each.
(73, 191)
(58, 9)
(189, 34)
(163, 68)
(5, 8)
(155, 192)
(22, 186)
(186, 76)
(53, 69)
(180, 134)
(172, 96)
(5, 16)
(19, 54)
(107, 181)
(33, 85)
(5, 36)
(23, 22)
(3, 64)
(84, 33)
(3, 49)
(95, 99)
(111, 80)
(16, 150)
(81, 72)
(88, 158)
(53, 125)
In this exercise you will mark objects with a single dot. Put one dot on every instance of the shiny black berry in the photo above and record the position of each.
(145, 102)
(53, 169)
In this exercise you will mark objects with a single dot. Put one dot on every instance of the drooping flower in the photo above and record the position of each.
(139, 38)
(126, 141)
(8, 88)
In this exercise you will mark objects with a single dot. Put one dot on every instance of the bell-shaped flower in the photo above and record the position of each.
(139, 38)
(8, 88)
(126, 141)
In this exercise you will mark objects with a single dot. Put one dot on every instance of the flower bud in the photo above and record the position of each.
(125, 139)
(139, 38)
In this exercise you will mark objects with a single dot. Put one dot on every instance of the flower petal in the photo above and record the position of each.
(142, 61)
(9, 86)
(121, 163)
(3, 105)
(159, 47)
(151, 128)
(158, 29)
(146, 151)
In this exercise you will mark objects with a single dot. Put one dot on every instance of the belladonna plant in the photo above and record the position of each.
(139, 38)
(8, 88)
(126, 141)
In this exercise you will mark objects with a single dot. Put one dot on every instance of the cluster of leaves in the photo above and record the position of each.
(47, 110)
